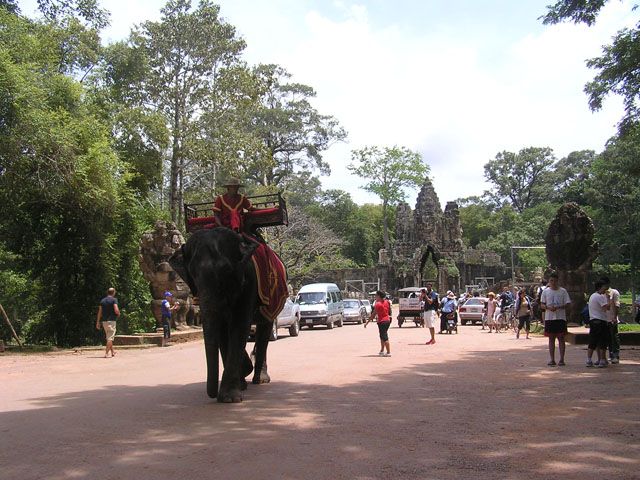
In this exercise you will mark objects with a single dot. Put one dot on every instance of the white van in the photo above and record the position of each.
(320, 304)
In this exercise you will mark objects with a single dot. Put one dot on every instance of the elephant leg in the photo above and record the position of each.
(263, 330)
(232, 379)
(247, 368)
(211, 352)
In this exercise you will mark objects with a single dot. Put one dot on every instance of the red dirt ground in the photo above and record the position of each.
(475, 405)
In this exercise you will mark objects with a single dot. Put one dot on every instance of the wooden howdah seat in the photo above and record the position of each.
(269, 211)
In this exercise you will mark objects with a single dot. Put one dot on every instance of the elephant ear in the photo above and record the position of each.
(179, 261)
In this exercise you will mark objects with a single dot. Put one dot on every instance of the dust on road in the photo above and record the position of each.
(475, 405)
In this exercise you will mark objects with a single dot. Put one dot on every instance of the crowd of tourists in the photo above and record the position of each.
(550, 303)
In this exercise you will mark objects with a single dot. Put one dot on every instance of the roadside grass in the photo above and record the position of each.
(628, 327)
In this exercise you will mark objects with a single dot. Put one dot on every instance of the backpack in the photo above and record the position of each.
(584, 315)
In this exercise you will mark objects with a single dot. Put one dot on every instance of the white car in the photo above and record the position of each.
(367, 306)
(289, 317)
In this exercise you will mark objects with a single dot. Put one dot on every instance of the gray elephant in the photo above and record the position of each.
(217, 266)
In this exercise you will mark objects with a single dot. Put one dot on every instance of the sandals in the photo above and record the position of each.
(551, 364)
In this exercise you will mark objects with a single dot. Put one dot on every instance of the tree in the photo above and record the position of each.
(617, 68)
(10, 6)
(570, 176)
(523, 178)
(292, 133)
(387, 172)
(186, 52)
(306, 246)
(70, 222)
(614, 193)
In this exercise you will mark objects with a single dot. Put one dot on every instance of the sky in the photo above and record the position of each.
(456, 80)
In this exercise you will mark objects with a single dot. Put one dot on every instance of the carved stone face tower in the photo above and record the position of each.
(425, 233)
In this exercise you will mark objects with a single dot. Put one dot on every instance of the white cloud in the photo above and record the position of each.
(433, 93)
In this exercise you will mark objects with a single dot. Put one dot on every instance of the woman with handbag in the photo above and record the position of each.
(523, 311)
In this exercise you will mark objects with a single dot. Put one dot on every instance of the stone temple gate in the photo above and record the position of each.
(430, 234)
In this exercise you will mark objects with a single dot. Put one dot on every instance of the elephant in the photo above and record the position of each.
(216, 264)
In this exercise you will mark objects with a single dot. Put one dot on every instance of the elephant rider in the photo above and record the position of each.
(229, 208)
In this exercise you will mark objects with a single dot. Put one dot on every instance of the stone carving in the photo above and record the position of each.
(156, 246)
(425, 233)
(571, 250)
(428, 232)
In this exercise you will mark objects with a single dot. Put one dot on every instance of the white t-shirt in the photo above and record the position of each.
(614, 294)
(555, 298)
(596, 302)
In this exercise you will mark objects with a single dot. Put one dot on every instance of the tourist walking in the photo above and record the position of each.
(524, 311)
(555, 303)
(490, 312)
(108, 313)
(613, 321)
(382, 310)
(430, 310)
(598, 325)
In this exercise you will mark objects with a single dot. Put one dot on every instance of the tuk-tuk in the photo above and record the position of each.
(410, 306)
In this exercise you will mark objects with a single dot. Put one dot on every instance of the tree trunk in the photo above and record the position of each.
(174, 186)
(385, 228)
(13, 332)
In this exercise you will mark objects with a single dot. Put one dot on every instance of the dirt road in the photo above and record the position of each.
(475, 405)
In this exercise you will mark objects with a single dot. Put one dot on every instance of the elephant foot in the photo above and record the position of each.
(212, 390)
(262, 378)
(232, 396)
(243, 384)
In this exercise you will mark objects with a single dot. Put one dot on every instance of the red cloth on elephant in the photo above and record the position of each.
(272, 281)
(230, 209)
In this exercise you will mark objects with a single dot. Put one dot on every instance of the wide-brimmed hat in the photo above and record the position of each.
(233, 182)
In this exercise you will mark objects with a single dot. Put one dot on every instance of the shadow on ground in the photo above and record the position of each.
(444, 421)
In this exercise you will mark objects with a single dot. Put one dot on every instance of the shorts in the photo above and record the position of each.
(429, 318)
(109, 330)
(524, 322)
(555, 327)
(598, 334)
(383, 328)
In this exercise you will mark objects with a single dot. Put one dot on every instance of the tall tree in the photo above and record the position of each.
(10, 6)
(521, 179)
(186, 51)
(293, 134)
(387, 172)
(617, 67)
(614, 193)
(570, 176)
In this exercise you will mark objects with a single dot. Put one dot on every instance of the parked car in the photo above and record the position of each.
(471, 311)
(320, 304)
(354, 310)
(288, 318)
(367, 306)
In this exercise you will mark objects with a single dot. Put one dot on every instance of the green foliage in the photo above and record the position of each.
(71, 220)
(617, 67)
(358, 226)
(185, 55)
(522, 179)
(291, 132)
(388, 171)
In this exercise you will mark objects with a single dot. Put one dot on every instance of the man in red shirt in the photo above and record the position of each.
(382, 309)
(229, 208)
